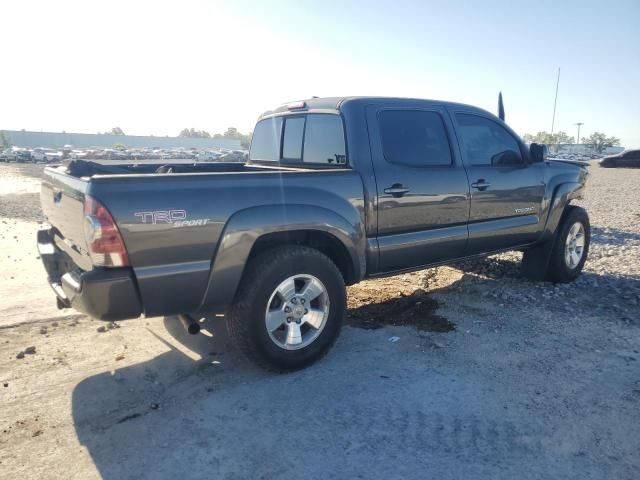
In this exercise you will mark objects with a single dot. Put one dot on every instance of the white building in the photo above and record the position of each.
(23, 138)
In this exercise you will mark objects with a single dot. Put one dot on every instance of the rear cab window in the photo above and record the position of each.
(312, 138)
(265, 143)
(292, 140)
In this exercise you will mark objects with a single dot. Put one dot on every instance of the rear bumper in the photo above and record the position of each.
(102, 293)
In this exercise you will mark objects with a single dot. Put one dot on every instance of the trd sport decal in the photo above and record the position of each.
(177, 218)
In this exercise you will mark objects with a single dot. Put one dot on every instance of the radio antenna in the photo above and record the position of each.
(500, 107)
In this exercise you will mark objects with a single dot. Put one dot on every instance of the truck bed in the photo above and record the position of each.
(83, 168)
(173, 220)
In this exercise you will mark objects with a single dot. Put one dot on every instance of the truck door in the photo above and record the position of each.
(506, 190)
(423, 192)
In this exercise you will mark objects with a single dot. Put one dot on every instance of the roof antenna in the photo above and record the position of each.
(500, 107)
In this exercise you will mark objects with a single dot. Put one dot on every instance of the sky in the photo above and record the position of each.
(156, 67)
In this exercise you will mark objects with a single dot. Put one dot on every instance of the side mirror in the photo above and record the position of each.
(537, 152)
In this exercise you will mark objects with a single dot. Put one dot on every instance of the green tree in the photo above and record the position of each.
(547, 138)
(599, 141)
(562, 137)
(246, 141)
(193, 133)
(233, 134)
(4, 139)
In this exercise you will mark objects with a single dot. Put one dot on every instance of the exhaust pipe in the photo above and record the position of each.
(190, 324)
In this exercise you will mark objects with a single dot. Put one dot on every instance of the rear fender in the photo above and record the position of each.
(247, 226)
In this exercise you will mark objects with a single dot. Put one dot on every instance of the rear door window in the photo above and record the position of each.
(414, 138)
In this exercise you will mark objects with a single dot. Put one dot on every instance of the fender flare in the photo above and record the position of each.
(562, 196)
(246, 227)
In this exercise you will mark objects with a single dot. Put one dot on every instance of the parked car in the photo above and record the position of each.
(208, 156)
(46, 155)
(78, 154)
(627, 158)
(335, 191)
(234, 156)
(16, 154)
(4, 155)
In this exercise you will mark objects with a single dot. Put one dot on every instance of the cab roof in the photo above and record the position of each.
(336, 103)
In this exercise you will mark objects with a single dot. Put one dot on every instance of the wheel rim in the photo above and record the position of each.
(574, 245)
(297, 312)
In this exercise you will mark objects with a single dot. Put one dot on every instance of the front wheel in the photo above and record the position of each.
(571, 246)
(289, 308)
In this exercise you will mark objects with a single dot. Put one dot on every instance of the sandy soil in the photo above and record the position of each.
(466, 372)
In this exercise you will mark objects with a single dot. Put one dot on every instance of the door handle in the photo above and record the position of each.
(481, 184)
(396, 190)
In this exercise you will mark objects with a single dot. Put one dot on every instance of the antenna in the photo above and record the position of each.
(500, 107)
(555, 102)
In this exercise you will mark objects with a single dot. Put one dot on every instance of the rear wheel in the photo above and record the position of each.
(289, 308)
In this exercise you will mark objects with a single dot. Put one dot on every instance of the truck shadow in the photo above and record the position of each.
(119, 415)
(613, 236)
(117, 396)
(198, 410)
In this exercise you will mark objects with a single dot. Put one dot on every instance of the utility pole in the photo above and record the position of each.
(579, 124)
(555, 102)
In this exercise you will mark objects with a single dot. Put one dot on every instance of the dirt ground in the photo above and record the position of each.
(454, 372)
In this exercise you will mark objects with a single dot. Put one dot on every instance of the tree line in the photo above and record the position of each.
(231, 133)
(597, 140)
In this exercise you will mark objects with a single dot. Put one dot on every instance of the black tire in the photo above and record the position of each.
(557, 269)
(246, 318)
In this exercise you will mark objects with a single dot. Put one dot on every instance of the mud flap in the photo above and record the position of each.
(535, 261)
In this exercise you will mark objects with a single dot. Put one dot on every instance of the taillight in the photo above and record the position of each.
(105, 243)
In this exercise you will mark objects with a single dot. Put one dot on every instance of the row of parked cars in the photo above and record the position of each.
(51, 155)
(626, 158)
(575, 156)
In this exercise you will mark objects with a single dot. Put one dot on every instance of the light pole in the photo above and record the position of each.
(579, 124)
(555, 102)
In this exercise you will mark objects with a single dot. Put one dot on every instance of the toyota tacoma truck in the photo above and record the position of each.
(335, 190)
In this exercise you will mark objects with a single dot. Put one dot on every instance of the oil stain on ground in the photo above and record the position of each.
(417, 310)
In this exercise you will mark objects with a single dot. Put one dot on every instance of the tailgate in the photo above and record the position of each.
(62, 200)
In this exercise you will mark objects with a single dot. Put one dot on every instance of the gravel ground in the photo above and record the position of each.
(454, 372)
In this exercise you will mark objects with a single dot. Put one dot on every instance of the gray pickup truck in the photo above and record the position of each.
(335, 190)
